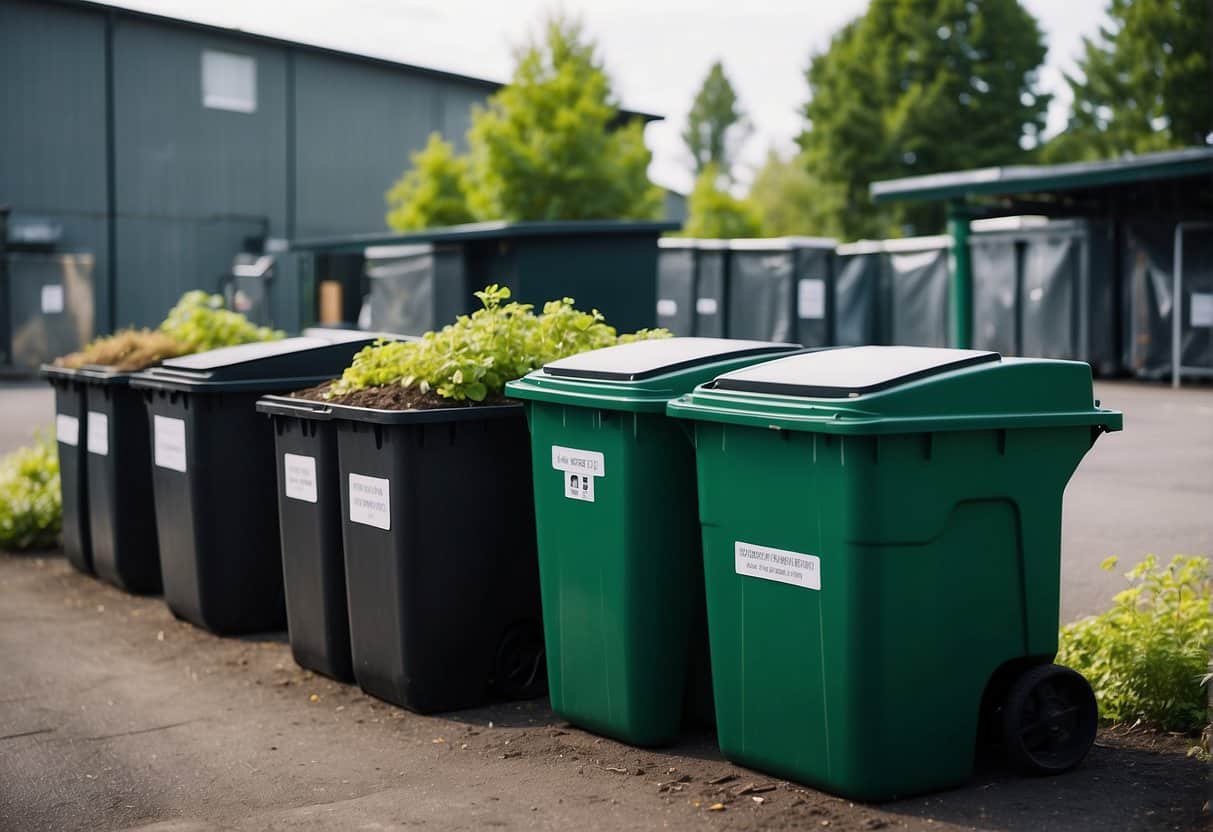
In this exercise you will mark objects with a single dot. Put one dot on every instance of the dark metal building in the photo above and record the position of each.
(163, 148)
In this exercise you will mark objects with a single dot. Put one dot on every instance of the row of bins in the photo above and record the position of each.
(778, 289)
(1088, 290)
(742, 532)
(185, 437)
(807, 289)
(830, 501)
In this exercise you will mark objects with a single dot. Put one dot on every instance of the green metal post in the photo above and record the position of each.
(962, 275)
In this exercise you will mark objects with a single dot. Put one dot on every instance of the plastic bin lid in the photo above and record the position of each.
(641, 375)
(289, 363)
(343, 334)
(849, 372)
(881, 390)
(645, 359)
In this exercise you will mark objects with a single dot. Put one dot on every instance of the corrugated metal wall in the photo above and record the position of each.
(191, 182)
(52, 124)
(356, 125)
(328, 136)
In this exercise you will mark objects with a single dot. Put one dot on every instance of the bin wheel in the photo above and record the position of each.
(1049, 720)
(520, 670)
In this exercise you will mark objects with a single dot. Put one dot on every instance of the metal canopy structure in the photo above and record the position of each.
(1175, 182)
(1171, 186)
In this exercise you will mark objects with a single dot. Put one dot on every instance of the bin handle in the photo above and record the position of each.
(301, 407)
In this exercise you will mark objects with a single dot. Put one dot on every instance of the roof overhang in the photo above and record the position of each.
(1183, 178)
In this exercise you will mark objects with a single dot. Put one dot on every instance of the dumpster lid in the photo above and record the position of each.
(850, 371)
(781, 243)
(641, 360)
(887, 390)
(642, 376)
(286, 364)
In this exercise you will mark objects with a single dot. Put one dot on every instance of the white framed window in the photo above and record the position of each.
(229, 81)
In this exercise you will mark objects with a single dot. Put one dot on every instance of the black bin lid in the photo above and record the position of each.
(849, 371)
(640, 360)
(277, 363)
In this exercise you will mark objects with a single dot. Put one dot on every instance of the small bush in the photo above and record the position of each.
(1148, 656)
(474, 357)
(126, 350)
(31, 511)
(200, 322)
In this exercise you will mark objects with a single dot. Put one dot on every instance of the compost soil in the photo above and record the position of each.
(392, 397)
(114, 715)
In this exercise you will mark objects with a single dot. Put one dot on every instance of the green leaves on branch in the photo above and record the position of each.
(548, 146)
(434, 192)
(31, 509)
(200, 322)
(914, 88)
(1148, 656)
(474, 357)
(716, 125)
(1142, 84)
(712, 212)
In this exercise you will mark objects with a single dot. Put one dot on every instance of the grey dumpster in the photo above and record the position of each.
(780, 289)
(606, 265)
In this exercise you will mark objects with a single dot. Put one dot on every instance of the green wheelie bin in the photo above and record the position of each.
(621, 576)
(881, 542)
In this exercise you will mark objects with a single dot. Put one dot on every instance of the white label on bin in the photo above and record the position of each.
(578, 486)
(811, 299)
(299, 477)
(370, 501)
(579, 469)
(168, 442)
(67, 429)
(98, 433)
(52, 299)
(779, 565)
(1202, 309)
(667, 308)
(581, 462)
(706, 306)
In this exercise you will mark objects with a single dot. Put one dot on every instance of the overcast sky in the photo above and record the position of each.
(657, 51)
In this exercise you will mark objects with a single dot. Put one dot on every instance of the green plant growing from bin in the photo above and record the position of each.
(473, 358)
(1147, 657)
(126, 350)
(197, 323)
(31, 511)
(200, 322)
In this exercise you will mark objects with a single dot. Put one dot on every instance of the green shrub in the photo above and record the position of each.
(474, 357)
(201, 323)
(433, 192)
(1148, 656)
(31, 511)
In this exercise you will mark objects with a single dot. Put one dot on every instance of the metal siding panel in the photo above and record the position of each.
(456, 103)
(52, 97)
(171, 257)
(356, 125)
(176, 158)
(996, 301)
